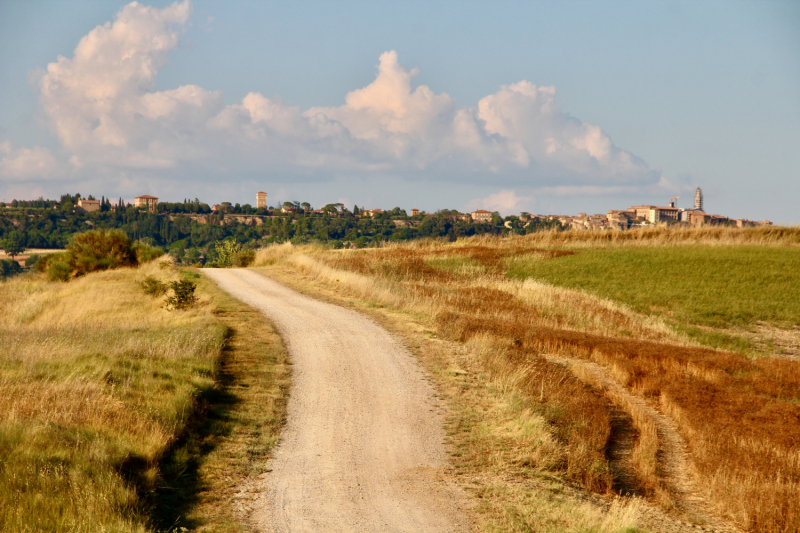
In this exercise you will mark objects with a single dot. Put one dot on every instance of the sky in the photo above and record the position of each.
(544, 107)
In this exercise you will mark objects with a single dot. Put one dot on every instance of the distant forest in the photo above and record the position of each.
(189, 229)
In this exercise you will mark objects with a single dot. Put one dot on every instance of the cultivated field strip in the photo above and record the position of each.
(670, 458)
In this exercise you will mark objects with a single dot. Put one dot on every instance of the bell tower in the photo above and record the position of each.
(698, 199)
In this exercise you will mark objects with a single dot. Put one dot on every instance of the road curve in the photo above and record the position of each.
(363, 446)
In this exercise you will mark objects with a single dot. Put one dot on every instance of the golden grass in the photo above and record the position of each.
(96, 381)
(227, 448)
(670, 235)
(739, 417)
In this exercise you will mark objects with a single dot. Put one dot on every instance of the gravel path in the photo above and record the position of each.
(363, 446)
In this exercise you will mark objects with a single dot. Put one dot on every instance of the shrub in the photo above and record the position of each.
(154, 287)
(244, 258)
(183, 294)
(32, 260)
(146, 253)
(58, 271)
(43, 264)
(9, 267)
(100, 250)
(226, 251)
(92, 251)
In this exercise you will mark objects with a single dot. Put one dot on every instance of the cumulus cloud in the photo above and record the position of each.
(23, 164)
(506, 202)
(101, 106)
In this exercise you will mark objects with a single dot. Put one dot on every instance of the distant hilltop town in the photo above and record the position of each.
(640, 215)
(634, 216)
(190, 230)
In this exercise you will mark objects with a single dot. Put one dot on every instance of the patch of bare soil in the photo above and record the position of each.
(674, 466)
(778, 342)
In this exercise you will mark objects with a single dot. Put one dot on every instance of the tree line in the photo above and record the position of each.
(190, 229)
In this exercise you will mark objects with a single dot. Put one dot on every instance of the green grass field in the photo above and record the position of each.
(690, 286)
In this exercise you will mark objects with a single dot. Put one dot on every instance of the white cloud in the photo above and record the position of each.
(506, 202)
(662, 187)
(24, 164)
(101, 106)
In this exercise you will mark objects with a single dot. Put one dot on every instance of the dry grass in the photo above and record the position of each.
(229, 445)
(676, 235)
(740, 417)
(96, 381)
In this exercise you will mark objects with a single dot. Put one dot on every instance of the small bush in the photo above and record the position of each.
(9, 267)
(183, 294)
(154, 287)
(58, 271)
(226, 251)
(32, 260)
(244, 258)
(96, 250)
(146, 253)
(101, 250)
(43, 264)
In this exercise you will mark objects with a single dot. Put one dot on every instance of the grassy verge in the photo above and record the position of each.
(460, 292)
(112, 408)
(236, 427)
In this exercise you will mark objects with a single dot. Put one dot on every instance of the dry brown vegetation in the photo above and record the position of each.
(116, 412)
(739, 417)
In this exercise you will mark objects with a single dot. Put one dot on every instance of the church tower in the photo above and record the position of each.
(698, 199)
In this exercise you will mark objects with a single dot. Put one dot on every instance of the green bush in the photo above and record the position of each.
(43, 264)
(100, 250)
(244, 258)
(58, 271)
(32, 260)
(9, 267)
(154, 287)
(183, 294)
(92, 251)
(146, 253)
(226, 251)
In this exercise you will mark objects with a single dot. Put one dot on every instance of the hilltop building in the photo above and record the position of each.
(89, 205)
(655, 214)
(481, 215)
(146, 201)
(414, 212)
(261, 200)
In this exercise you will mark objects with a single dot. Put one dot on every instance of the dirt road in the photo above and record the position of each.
(363, 446)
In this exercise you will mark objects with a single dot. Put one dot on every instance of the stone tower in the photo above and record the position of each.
(261, 199)
(698, 199)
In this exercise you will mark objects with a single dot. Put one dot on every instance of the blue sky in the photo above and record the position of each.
(624, 103)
